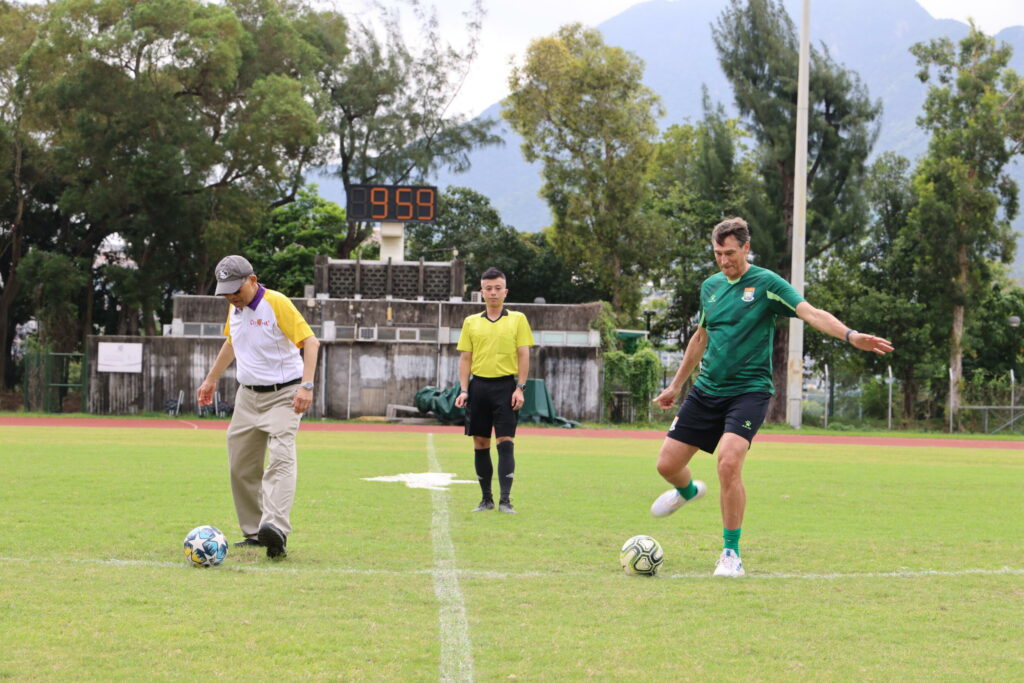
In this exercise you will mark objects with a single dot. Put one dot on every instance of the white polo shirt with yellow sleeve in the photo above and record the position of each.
(266, 335)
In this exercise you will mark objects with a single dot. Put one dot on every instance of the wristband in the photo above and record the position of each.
(849, 332)
(463, 391)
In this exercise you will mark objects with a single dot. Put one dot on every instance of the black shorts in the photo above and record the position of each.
(703, 417)
(489, 406)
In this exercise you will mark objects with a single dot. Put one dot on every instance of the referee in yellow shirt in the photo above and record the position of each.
(495, 348)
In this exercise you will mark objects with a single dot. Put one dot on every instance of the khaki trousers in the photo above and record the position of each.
(261, 423)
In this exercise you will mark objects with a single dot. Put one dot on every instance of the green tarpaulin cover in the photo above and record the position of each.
(536, 408)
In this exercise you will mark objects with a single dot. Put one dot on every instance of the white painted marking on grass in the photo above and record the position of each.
(487, 574)
(456, 651)
(435, 481)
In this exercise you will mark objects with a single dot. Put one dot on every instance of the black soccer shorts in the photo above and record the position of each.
(703, 417)
(489, 407)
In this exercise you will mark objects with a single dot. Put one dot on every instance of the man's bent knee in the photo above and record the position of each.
(674, 457)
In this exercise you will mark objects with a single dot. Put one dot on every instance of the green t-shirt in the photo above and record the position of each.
(739, 317)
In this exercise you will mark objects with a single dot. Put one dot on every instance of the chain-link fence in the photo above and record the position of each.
(990, 404)
(54, 382)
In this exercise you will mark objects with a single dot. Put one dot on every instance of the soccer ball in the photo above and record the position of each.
(206, 546)
(641, 556)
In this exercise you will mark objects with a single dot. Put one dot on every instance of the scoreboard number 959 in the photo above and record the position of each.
(392, 203)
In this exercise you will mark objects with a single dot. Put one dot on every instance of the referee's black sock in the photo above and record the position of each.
(484, 470)
(506, 467)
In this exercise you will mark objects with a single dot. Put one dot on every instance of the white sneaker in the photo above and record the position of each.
(729, 564)
(670, 501)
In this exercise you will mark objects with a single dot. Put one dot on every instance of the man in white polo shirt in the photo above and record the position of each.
(264, 333)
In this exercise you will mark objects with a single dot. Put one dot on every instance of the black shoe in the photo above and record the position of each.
(274, 541)
(485, 504)
(248, 543)
(506, 507)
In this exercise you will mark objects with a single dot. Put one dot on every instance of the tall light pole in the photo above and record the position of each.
(1014, 322)
(795, 356)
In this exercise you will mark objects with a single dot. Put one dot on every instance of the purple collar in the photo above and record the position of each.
(260, 291)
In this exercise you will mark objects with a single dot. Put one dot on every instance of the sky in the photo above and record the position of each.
(510, 25)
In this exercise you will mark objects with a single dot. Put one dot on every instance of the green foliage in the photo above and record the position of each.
(875, 286)
(585, 114)
(283, 249)
(965, 199)
(605, 324)
(173, 125)
(469, 227)
(390, 107)
(701, 174)
(758, 50)
(638, 373)
(56, 285)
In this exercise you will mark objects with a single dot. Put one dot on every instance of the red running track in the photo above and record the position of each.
(156, 423)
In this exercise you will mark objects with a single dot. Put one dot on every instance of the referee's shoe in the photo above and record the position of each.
(485, 505)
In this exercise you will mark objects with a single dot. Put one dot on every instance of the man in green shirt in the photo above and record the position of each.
(729, 400)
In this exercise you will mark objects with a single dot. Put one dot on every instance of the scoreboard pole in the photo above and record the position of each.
(392, 241)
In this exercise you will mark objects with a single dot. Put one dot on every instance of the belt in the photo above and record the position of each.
(263, 388)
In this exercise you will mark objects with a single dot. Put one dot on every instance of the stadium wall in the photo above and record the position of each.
(357, 376)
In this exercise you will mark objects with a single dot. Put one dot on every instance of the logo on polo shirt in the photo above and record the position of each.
(748, 294)
(259, 322)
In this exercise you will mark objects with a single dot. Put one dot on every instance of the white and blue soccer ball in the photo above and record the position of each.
(641, 556)
(206, 546)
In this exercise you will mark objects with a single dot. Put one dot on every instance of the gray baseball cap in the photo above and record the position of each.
(231, 272)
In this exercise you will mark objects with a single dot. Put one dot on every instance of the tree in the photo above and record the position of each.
(56, 285)
(701, 175)
(284, 247)
(758, 51)
(471, 228)
(172, 126)
(974, 111)
(877, 284)
(22, 164)
(390, 109)
(584, 112)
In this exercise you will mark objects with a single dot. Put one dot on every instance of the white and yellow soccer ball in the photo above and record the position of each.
(641, 556)
(206, 546)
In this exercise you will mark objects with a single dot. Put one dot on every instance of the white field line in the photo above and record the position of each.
(456, 651)
(484, 574)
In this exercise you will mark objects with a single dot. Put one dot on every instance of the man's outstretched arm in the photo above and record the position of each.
(825, 322)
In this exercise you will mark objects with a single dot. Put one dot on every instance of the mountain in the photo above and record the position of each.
(673, 37)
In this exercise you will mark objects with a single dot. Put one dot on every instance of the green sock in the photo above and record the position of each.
(732, 539)
(688, 491)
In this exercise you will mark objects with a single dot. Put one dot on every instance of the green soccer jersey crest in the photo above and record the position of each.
(739, 317)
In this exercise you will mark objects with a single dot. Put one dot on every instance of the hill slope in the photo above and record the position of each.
(871, 37)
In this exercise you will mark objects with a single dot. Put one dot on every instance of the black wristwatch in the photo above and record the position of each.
(520, 386)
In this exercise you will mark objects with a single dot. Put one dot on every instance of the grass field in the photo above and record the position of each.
(863, 564)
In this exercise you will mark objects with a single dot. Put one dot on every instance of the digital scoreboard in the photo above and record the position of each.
(392, 203)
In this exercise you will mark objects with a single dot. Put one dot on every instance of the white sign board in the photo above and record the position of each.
(118, 357)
